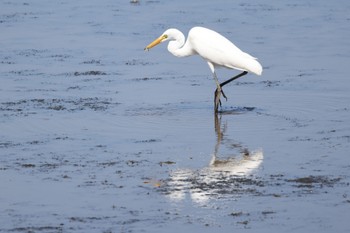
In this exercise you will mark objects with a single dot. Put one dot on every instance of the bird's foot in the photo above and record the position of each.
(217, 100)
(223, 94)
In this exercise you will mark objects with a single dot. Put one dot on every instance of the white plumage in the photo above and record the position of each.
(216, 49)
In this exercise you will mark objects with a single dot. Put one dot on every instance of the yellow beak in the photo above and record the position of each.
(154, 43)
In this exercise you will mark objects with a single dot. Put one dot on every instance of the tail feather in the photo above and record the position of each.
(254, 66)
(251, 64)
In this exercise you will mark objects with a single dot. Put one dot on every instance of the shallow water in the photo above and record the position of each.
(97, 135)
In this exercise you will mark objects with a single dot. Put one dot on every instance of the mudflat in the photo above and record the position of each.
(97, 135)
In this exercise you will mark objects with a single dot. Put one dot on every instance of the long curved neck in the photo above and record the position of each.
(178, 47)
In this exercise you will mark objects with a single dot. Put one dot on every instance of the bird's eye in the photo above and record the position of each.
(165, 36)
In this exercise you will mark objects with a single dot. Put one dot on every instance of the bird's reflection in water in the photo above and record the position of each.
(242, 163)
(225, 174)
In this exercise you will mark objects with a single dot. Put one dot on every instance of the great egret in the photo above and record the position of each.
(217, 50)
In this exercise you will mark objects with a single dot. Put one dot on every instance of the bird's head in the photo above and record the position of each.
(162, 38)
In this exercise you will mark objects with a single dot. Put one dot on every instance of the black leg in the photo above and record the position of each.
(217, 95)
(228, 81)
(231, 79)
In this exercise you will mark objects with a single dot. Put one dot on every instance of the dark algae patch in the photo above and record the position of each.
(26, 107)
(314, 181)
(92, 72)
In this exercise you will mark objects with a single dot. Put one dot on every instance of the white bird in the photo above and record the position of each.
(217, 50)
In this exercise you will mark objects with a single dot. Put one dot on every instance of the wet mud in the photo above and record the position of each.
(97, 135)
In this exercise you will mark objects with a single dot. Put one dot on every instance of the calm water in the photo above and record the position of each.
(97, 135)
